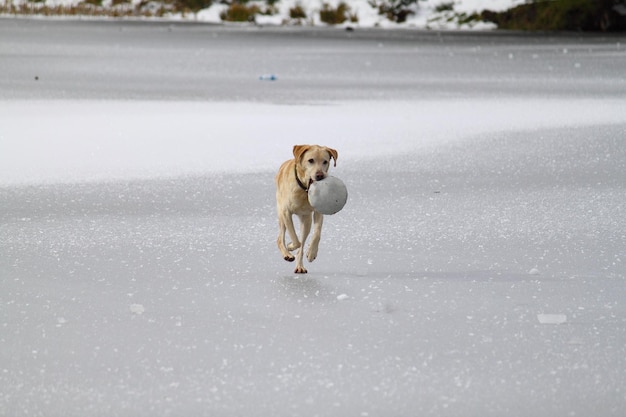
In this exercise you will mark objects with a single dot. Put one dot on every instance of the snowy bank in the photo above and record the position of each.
(426, 14)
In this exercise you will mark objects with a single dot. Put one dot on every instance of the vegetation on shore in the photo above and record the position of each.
(116, 8)
(562, 15)
(235, 10)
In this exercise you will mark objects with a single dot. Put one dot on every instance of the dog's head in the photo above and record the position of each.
(313, 161)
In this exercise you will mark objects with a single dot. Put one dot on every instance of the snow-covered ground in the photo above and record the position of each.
(477, 269)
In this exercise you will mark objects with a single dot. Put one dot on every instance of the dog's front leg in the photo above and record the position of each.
(305, 228)
(318, 220)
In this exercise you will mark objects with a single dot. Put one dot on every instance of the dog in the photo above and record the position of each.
(310, 163)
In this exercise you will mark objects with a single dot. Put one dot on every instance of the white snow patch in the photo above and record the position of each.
(137, 309)
(552, 318)
(148, 139)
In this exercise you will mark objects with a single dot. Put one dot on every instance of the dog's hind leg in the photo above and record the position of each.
(291, 229)
(305, 228)
(281, 240)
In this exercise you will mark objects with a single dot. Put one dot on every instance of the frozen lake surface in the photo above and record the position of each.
(478, 268)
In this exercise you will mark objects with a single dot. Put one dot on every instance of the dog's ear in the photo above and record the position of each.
(333, 154)
(299, 150)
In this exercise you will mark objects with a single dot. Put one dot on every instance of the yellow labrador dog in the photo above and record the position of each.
(310, 163)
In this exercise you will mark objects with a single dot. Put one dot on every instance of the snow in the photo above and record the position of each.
(477, 269)
(154, 144)
(426, 14)
(137, 309)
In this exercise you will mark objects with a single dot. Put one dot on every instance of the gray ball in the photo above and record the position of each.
(328, 196)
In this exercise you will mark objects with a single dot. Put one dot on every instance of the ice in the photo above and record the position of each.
(138, 263)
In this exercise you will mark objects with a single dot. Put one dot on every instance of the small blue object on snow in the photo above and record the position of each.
(328, 196)
(268, 77)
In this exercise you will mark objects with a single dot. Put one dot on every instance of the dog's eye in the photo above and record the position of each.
(325, 162)
(311, 161)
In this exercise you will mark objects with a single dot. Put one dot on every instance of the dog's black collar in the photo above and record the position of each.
(295, 171)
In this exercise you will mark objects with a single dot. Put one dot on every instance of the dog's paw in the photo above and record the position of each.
(290, 258)
(311, 254)
(293, 246)
(300, 270)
